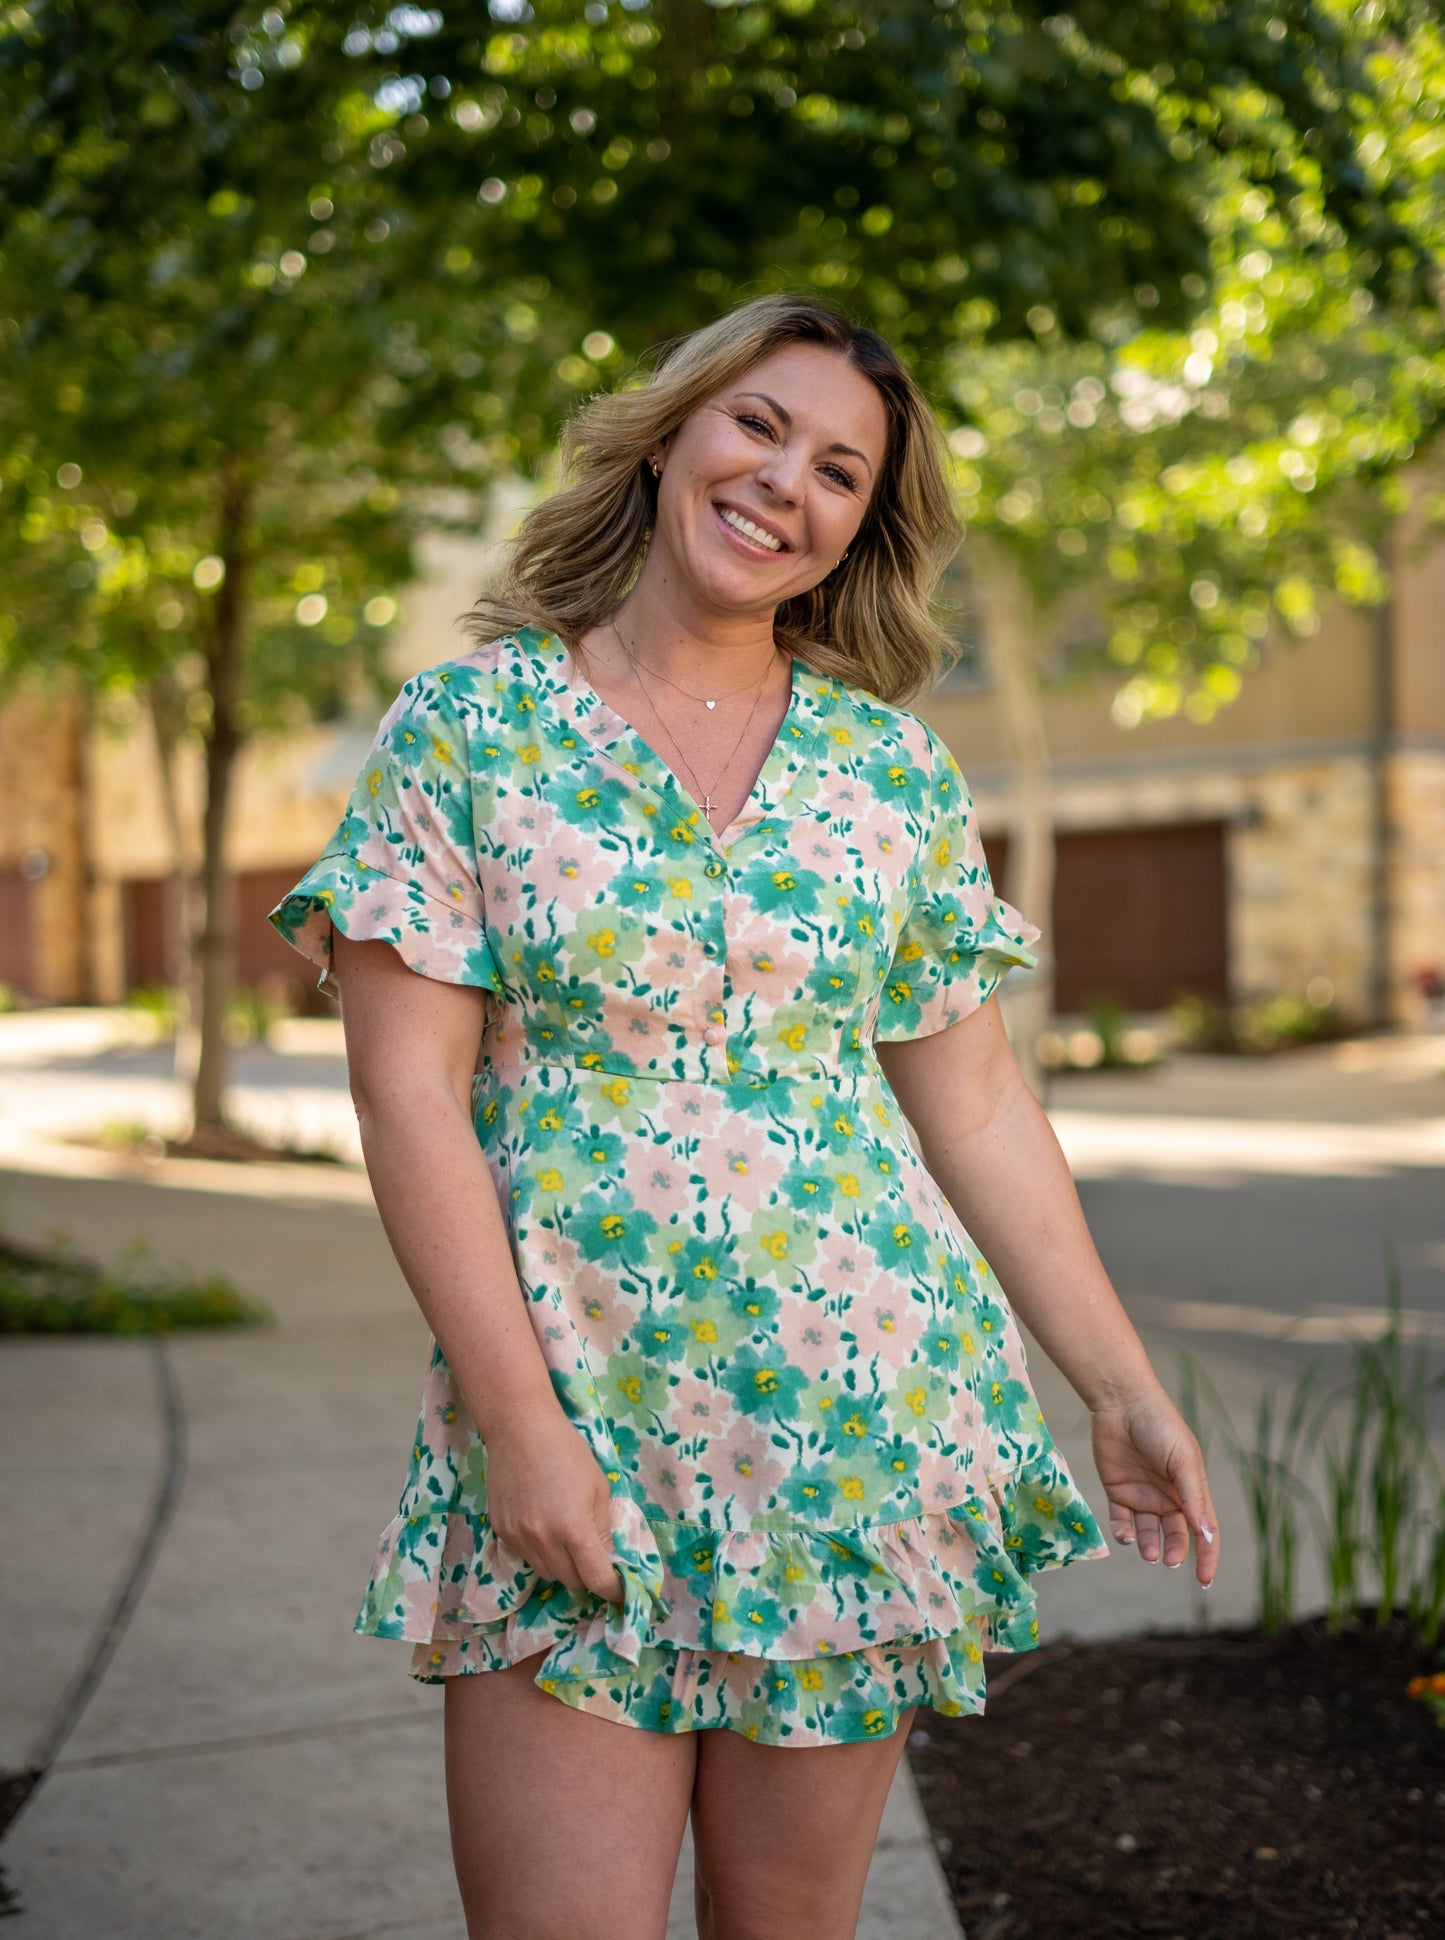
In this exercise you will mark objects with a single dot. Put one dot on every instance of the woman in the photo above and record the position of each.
(727, 1448)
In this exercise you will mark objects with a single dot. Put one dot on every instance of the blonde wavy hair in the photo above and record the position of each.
(870, 622)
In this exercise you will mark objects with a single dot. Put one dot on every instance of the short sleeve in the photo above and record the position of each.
(958, 939)
(401, 867)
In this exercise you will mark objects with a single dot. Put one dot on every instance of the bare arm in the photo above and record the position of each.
(411, 1049)
(989, 1145)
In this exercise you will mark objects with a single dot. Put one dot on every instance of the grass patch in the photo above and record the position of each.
(58, 1293)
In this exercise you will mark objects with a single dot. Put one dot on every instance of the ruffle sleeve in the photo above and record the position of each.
(401, 867)
(959, 939)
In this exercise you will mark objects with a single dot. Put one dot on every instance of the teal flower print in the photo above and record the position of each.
(764, 1384)
(611, 1227)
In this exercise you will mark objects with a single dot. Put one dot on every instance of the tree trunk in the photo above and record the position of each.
(182, 952)
(215, 952)
(1010, 627)
(83, 804)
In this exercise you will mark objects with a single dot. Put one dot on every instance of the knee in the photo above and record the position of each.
(766, 1909)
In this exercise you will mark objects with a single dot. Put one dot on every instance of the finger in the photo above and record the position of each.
(1175, 1531)
(597, 1568)
(1121, 1522)
(1147, 1526)
(1198, 1508)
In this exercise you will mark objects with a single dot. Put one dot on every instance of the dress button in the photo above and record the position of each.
(712, 1035)
(713, 869)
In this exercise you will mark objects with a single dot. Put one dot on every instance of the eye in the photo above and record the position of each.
(754, 423)
(844, 478)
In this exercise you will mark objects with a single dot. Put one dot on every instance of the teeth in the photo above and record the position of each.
(749, 530)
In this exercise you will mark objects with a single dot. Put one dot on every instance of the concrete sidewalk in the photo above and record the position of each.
(239, 1767)
(244, 1768)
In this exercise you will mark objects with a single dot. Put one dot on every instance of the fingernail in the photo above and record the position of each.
(1207, 1534)
(1207, 1586)
(1175, 1566)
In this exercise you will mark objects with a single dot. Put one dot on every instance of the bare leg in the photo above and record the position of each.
(784, 1834)
(563, 1825)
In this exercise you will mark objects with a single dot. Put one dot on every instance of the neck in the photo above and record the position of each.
(713, 650)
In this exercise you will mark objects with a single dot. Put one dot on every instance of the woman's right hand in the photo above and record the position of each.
(548, 1501)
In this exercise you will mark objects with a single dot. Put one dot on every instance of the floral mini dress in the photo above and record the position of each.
(830, 1479)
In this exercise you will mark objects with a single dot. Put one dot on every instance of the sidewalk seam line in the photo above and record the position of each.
(123, 1607)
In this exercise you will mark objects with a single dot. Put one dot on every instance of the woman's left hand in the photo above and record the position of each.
(1152, 1470)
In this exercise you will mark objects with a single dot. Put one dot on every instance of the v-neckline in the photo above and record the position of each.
(609, 731)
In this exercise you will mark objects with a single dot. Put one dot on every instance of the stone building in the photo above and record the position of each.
(1297, 840)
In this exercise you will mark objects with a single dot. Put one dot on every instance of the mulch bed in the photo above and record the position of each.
(1214, 1786)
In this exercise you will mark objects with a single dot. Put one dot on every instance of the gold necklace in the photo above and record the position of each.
(658, 674)
(700, 793)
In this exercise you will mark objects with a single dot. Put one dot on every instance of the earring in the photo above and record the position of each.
(656, 468)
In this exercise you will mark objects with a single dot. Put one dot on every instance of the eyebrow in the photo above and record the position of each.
(787, 418)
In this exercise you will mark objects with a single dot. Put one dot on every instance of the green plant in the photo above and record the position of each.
(1200, 1024)
(1271, 1484)
(1272, 1022)
(55, 1292)
(1384, 1498)
(252, 1013)
(160, 1004)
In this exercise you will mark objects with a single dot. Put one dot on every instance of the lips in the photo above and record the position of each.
(738, 521)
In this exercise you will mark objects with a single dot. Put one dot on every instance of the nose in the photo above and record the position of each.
(784, 473)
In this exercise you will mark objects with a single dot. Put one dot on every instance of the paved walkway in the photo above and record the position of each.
(224, 1762)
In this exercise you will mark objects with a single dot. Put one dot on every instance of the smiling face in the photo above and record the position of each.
(764, 486)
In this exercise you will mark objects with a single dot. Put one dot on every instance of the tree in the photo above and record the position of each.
(1147, 508)
(286, 284)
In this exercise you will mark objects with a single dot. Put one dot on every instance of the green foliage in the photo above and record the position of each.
(1382, 1518)
(57, 1293)
(1267, 1024)
(1173, 496)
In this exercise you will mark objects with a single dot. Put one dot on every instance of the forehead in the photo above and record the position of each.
(825, 395)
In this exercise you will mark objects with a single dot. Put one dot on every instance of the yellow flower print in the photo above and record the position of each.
(1044, 1506)
(916, 1400)
(706, 1269)
(613, 1225)
(550, 1180)
(794, 1573)
(942, 851)
(784, 880)
(587, 798)
(841, 736)
(852, 1487)
(766, 1380)
(529, 754)
(810, 1678)
(775, 1244)
(704, 1331)
(615, 1091)
(848, 1185)
(875, 1722)
(855, 1425)
(630, 1388)
(551, 1119)
(843, 1125)
(795, 1036)
(374, 781)
(681, 888)
(604, 942)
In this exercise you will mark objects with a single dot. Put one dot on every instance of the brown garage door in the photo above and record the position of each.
(1139, 915)
(262, 958)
